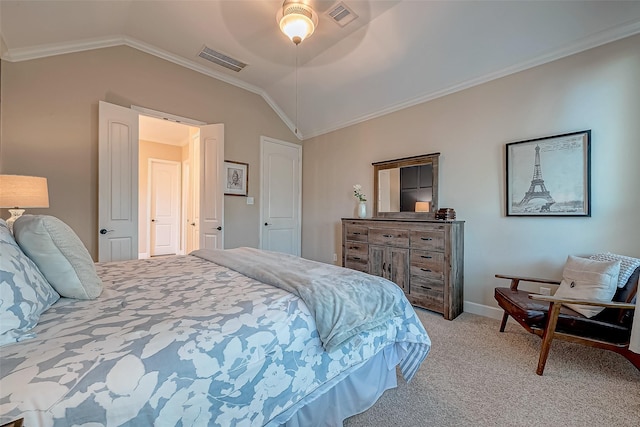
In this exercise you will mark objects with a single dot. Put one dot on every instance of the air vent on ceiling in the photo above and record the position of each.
(341, 14)
(221, 59)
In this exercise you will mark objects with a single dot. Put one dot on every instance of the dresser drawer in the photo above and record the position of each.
(433, 261)
(429, 240)
(423, 282)
(431, 274)
(429, 265)
(357, 265)
(388, 236)
(431, 299)
(356, 251)
(356, 234)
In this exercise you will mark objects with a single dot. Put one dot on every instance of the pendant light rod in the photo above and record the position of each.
(296, 132)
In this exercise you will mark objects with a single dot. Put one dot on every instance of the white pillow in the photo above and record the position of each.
(627, 265)
(24, 292)
(588, 279)
(59, 254)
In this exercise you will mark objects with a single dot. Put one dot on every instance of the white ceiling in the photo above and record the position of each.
(396, 54)
(163, 131)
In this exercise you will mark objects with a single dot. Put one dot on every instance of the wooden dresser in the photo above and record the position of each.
(424, 257)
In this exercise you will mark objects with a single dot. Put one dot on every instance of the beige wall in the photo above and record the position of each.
(49, 126)
(597, 89)
(150, 150)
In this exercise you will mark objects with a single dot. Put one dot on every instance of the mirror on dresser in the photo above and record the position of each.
(406, 188)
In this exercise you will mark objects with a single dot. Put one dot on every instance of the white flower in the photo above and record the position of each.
(357, 192)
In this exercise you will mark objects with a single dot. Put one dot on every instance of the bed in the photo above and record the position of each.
(190, 341)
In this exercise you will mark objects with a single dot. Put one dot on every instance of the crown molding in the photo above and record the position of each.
(608, 36)
(43, 51)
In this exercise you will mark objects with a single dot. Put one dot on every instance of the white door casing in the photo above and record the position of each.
(185, 211)
(193, 240)
(164, 207)
(280, 200)
(211, 210)
(117, 183)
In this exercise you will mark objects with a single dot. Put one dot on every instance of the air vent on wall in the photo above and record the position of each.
(341, 14)
(221, 59)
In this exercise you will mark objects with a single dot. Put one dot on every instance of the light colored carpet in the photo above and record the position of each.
(477, 376)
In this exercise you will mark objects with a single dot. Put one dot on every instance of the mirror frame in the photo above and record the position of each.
(401, 163)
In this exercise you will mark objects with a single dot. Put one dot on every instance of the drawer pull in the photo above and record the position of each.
(426, 256)
(357, 232)
(357, 258)
(426, 238)
(426, 269)
(354, 247)
(387, 235)
(425, 287)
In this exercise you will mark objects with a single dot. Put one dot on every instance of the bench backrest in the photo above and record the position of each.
(625, 294)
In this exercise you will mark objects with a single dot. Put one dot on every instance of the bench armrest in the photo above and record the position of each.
(606, 304)
(515, 280)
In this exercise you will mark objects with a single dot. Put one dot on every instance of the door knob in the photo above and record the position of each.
(153, 220)
(219, 228)
(105, 231)
(266, 223)
(193, 223)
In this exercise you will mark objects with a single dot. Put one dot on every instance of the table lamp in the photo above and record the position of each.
(19, 191)
(422, 206)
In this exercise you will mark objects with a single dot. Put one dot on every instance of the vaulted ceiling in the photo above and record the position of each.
(395, 54)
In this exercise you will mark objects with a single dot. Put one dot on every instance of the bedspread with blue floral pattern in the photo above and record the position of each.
(181, 341)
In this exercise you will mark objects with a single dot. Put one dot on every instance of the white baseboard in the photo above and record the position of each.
(143, 255)
(483, 310)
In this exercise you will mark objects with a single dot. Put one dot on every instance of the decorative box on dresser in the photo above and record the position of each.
(424, 257)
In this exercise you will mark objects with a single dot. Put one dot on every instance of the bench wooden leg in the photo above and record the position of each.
(505, 316)
(547, 337)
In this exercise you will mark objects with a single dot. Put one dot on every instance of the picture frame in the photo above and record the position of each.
(549, 176)
(236, 178)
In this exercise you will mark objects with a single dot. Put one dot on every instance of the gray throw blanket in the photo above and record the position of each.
(343, 302)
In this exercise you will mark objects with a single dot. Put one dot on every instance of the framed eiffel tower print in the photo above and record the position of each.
(549, 176)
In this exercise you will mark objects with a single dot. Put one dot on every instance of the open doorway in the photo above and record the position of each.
(165, 194)
(167, 202)
(119, 193)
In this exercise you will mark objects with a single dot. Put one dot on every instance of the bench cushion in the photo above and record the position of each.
(534, 314)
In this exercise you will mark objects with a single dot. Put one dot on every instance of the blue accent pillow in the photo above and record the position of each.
(59, 254)
(24, 292)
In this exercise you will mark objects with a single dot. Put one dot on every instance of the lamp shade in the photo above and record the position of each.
(422, 206)
(20, 191)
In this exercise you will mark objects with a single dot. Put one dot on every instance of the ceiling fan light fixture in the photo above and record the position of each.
(297, 20)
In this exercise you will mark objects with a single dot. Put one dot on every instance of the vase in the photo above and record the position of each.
(362, 210)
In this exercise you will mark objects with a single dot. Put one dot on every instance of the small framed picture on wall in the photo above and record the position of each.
(549, 176)
(236, 178)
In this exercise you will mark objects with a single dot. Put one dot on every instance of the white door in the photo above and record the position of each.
(164, 207)
(117, 183)
(210, 186)
(280, 196)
